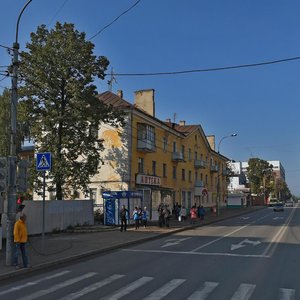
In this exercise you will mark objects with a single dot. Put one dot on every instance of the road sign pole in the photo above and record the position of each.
(44, 204)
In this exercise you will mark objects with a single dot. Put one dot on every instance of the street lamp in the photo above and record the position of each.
(218, 178)
(12, 192)
(224, 137)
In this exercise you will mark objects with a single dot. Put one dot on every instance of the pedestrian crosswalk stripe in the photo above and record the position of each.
(244, 292)
(202, 293)
(287, 294)
(58, 286)
(31, 283)
(128, 289)
(165, 289)
(92, 287)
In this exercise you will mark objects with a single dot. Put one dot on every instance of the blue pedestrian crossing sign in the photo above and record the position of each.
(43, 161)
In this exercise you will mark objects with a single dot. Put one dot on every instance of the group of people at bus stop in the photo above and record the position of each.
(140, 216)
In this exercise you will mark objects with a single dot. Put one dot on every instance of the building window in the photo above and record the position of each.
(190, 176)
(140, 165)
(174, 172)
(164, 170)
(190, 154)
(165, 143)
(182, 151)
(174, 147)
(196, 175)
(201, 176)
(196, 155)
(183, 174)
(154, 167)
(206, 180)
(146, 133)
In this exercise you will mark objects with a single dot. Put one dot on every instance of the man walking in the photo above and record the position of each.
(20, 239)
(123, 218)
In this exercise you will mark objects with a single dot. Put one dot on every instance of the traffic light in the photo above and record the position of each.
(22, 176)
(3, 174)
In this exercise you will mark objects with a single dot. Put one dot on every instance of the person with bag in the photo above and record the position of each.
(193, 213)
(144, 217)
(136, 217)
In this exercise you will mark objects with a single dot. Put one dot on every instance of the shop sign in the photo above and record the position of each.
(148, 180)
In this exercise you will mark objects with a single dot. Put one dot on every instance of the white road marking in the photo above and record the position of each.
(31, 283)
(173, 242)
(242, 244)
(228, 234)
(202, 293)
(199, 253)
(276, 239)
(244, 292)
(287, 294)
(92, 287)
(58, 286)
(165, 289)
(128, 289)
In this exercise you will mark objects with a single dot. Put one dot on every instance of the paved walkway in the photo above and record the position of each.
(68, 246)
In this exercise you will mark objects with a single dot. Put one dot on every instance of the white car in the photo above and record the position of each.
(289, 203)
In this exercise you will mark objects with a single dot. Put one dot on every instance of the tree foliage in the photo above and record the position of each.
(260, 175)
(61, 104)
(4, 122)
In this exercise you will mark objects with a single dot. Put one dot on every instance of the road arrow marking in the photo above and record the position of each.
(173, 242)
(242, 244)
(244, 218)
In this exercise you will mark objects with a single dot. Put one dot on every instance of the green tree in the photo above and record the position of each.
(61, 104)
(282, 190)
(260, 174)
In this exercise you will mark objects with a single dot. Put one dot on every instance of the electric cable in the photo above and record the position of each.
(113, 21)
(210, 69)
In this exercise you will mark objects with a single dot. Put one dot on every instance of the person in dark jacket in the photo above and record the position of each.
(123, 218)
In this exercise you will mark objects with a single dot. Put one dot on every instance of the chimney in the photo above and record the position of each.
(144, 100)
(168, 121)
(211, 141)
(181, 123)
(120, 94)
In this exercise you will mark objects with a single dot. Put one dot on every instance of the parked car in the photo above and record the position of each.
(278, 207)
(289, 203)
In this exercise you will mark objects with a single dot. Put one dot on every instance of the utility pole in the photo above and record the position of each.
(12, 167)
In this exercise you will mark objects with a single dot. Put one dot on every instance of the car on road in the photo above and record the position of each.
(289, 203)
(278, 207)
(273, 202)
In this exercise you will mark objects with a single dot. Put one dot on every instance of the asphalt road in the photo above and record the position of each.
(253, 256)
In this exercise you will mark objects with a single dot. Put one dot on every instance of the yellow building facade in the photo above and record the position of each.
(168, 162)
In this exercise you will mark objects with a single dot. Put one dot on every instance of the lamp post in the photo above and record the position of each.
(12, 191)
(218, 175)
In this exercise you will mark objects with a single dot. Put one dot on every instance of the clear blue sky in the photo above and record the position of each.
(261, 104)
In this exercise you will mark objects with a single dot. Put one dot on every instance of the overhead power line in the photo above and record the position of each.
(211, 69)
(113, 21)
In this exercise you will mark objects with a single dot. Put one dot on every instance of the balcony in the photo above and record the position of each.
(199, 163)
(177, 156)
(146, 146)
(199, 183)
(214, 168)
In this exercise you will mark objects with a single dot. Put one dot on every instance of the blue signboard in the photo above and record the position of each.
(110, 210)
(43, 161)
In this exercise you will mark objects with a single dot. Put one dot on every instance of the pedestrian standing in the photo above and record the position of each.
(201, 212)
(123, 218)
(144, 217)
(20, 239)
(136, 217)
(167, 215)
(161, 219)
(183, 213)
(193, 213)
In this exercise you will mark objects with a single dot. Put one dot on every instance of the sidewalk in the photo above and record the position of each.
(68, 246)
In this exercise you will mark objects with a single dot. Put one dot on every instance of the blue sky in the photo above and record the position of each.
(260, 104)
